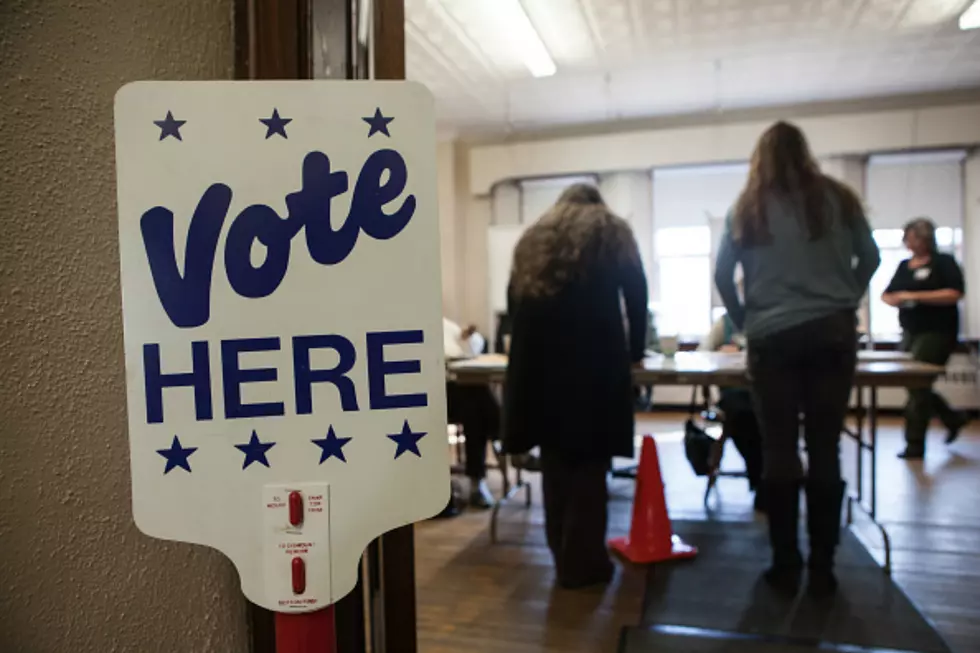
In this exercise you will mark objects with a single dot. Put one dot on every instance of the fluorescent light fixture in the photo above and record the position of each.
(970, 19)
(522, 37)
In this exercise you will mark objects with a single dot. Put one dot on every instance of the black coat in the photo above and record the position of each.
(569, 386)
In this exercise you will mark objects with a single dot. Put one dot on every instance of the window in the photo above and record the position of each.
(884, 318)
(689, 206)
(899, 187)
(683, 255)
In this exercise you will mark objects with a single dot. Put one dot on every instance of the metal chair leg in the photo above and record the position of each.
(512, 490)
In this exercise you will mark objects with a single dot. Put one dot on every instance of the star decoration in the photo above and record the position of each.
(407, 440)
(170, 126)
(331, 446)
(177, 456)
(275, 124)
(379, 124)
(255, 451)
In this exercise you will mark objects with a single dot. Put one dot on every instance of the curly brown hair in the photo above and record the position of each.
(578, 232)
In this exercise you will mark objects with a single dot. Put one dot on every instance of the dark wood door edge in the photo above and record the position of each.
(272, 39)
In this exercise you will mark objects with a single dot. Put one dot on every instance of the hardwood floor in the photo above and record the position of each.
(474, 597)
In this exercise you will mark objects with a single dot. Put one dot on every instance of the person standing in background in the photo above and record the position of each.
(926, 290)
(644, 399)
(807, 254)
(740, 423)
(569, 387)
(474, 408)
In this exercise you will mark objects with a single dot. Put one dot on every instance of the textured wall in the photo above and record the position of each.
(75, 574)
(446, 181)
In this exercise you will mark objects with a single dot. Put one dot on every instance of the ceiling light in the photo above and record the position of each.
(970, 19)
(522, 36)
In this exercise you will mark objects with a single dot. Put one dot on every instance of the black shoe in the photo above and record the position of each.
(821, 583)
(528, 462)
(454, 506)
(785, 578)
(480, 495)
(449, 511)
(954, 431)
(600, 576)
(912, 453)
(783, 509)
(823, 507)
(759, 501)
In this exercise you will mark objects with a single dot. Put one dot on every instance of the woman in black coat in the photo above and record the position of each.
(569, 388)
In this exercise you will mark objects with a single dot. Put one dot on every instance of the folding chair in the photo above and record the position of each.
(713, 414)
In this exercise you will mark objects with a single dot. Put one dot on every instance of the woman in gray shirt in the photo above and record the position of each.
(807, 254)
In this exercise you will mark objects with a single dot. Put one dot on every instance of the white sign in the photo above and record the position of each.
(283, 322)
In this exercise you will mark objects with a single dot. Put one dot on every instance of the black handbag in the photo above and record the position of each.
(698, 444)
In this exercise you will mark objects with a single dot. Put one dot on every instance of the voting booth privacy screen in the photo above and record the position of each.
(283, 323)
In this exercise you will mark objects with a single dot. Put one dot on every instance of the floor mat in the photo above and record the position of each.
(668, 639)
(720, 591)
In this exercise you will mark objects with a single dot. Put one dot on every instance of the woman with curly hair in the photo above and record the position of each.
(569, 388)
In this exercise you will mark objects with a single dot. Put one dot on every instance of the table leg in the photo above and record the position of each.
(873, 428)
(859, 477)
(857, 498)
(519, 484)
(873, 432)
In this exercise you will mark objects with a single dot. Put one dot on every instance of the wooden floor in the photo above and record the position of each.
(474, 597)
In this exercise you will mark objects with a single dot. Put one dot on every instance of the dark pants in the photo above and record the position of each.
(475, 409)
(575, 513)
(742, 427)
(923, 403)
(806, 369)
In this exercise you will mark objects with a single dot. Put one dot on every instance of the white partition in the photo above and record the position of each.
(539, 195)
(501, 241)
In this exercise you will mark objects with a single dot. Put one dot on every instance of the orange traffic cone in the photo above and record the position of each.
(651, 537)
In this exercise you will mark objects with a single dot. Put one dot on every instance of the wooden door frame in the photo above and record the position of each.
(274, 40)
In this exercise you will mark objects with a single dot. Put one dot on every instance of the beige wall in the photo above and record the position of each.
(843, 133)
(75, 574)
(723, 139)
(446, 179)
(463, 223)
(971, 241)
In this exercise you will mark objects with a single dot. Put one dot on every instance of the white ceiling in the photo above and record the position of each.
(627, 59)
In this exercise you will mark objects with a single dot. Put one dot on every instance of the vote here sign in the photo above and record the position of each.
(283, 324)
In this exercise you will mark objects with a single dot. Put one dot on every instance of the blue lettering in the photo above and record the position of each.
(261, 223)
(305, 377)
(370, 195)
(155, 381)
(326, 245)
(186, 298)
(234, 376)
(379, 368)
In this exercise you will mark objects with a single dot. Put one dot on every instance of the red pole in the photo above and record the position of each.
(307, 632)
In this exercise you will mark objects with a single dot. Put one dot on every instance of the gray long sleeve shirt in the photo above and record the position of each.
(795, 280)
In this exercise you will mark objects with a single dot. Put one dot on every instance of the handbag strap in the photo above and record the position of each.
(693, 408)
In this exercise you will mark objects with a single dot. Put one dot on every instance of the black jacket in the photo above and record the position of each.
(569, 385)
